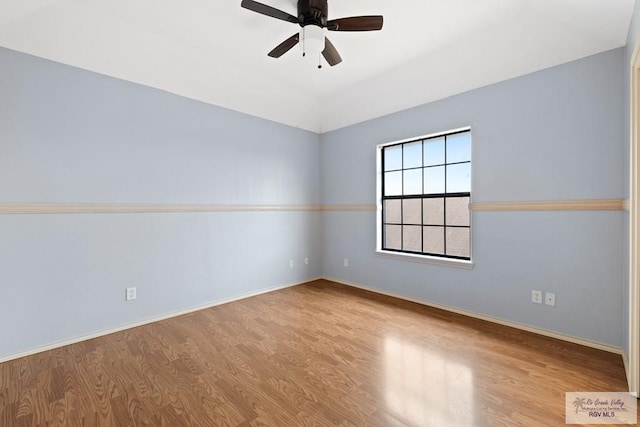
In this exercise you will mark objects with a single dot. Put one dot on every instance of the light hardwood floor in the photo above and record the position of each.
(315, 354)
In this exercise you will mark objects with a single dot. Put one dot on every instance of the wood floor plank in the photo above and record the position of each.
(315, 354)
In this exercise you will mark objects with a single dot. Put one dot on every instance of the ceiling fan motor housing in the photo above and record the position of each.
(313, 12)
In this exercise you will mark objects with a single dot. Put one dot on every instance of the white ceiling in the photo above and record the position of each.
(215, 51)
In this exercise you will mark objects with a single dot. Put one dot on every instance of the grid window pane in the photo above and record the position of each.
(393, 158)
(393, 183)
(434, 180)
(433, 211)
(459, 178)
(434, 151)
(412, 154)
(392, 211)
(392, 237)
(458, 211)
(411, 238)
(413, 182)
(426, 195)
(412, 211)
(458, 242)
(459, 148)
(433, 238)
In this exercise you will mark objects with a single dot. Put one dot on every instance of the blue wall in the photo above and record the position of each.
(552, 135)
(71, 136)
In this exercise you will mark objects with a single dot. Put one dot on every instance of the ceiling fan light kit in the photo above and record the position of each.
(312, 38)
(313, 22)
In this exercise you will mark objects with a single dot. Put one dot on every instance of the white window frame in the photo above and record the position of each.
(428, 259)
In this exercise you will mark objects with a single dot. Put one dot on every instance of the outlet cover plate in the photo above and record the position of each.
(130, 294)
(536, 297)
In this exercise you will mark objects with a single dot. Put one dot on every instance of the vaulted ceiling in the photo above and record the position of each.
(216, 52)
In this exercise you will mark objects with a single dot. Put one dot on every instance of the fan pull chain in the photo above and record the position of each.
(319, 60)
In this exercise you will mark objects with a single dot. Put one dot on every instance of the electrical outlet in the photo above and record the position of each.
(291, 264)
(346, 262)
(130, 294)
(306, 261)
(550, 298)
(536, 297)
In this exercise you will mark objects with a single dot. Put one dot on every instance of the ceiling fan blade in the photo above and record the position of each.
(330, 53)
(268, 10)
(285, 46)
(356, 23)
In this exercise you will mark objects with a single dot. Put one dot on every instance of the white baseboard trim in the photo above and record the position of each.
(75, 340)
(521, 326)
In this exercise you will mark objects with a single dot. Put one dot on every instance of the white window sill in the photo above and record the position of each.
(448, 262)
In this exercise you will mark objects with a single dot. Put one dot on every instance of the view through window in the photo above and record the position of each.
(426, 189)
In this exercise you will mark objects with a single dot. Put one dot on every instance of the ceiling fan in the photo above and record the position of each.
(312, 18)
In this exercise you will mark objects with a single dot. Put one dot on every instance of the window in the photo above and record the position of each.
(425, 187)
